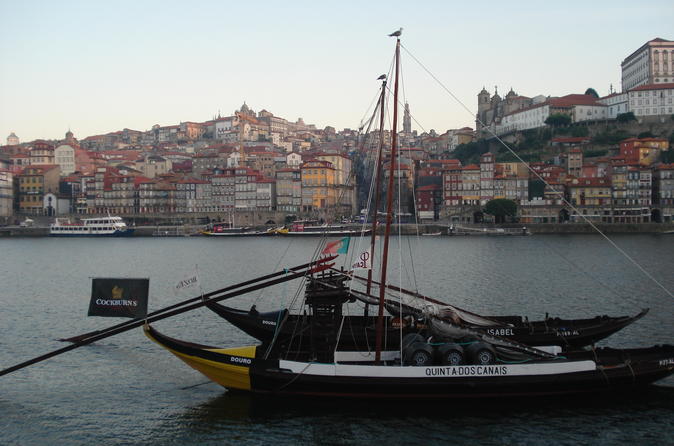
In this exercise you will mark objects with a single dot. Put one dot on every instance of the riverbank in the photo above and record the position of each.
(406, 229)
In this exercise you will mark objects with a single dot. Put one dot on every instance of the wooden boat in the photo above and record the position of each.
(352, 375)
(359, 331)
(460, 362)
(314, 228)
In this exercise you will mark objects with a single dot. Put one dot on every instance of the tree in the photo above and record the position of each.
(646, 134)
(592, 92)
(626, 117)
(558, 120)
(501, 208)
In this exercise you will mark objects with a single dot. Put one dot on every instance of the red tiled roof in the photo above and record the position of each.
(666, 86)
(570, 139)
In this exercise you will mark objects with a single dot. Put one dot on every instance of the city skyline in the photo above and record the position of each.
(96, 68)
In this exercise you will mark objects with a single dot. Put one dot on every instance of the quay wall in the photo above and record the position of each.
(406, 229)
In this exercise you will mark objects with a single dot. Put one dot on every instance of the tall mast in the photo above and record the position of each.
(377, 181)
(389, 205)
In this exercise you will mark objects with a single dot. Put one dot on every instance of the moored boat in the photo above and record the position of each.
(360, 330)
(250, 369)
(109, 226)
(227, 230)
(315, 229)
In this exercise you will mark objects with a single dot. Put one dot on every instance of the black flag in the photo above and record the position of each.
(119, 297)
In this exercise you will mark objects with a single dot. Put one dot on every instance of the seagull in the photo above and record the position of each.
(383, 76)
(396, 33)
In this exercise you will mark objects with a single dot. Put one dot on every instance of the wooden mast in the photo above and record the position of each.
(389, 205)
(377, 182)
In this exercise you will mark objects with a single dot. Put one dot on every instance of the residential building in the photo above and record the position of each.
(591, 197)
(35, 183)
(663, 193)
(289, 190)
(639, 191)
(487, 174)
(574, 162)
(265, 194)
(6, 193)
(41, 153)
(429, 200)
(318, 186)
(155, 196)
(642, 151)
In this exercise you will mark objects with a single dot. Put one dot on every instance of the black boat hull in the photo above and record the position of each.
(358, 332)
(596, 371)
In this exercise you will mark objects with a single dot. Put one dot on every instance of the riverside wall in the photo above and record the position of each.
(406, 229)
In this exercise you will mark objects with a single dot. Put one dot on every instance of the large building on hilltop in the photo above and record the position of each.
(492, 109)
(653, 63)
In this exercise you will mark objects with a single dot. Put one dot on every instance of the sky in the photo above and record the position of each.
(96, 67)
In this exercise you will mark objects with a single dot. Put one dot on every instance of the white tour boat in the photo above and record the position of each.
(91, 227)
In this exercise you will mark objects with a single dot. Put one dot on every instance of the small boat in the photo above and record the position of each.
(483, 230)
(432, 234)
(314, 228)
(109, 226)
(227, 230)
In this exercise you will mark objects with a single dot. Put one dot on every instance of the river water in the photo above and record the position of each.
(126, 390)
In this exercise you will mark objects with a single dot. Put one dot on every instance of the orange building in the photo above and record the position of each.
(643, 151)
(319, 189)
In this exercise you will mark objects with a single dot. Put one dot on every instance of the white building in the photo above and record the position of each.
(580, 107)
(64, 156)
(528, 118)
(294, 160)
(652, 100)
(653, 63)
(616, 103)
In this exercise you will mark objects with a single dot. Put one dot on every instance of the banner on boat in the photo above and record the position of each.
(363, 261)
(119, 297)
(337, 247)
(188, 281)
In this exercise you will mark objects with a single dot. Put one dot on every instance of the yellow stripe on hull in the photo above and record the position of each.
(229, 376)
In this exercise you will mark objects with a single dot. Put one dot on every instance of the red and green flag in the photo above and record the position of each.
(337, 247)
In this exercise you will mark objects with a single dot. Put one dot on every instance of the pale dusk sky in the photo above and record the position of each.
(97, 67)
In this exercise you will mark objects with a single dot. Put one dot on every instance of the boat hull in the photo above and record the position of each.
(326, 233)
(125, 233)
(358, 332)
(602, 370)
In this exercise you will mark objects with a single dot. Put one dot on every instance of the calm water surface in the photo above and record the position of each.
(126, 390)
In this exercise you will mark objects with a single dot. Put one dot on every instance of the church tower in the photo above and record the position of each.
(407, 120)
(483, 105)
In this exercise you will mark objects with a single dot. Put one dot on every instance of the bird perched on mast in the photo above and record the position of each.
(383, 76)
(396, 33)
